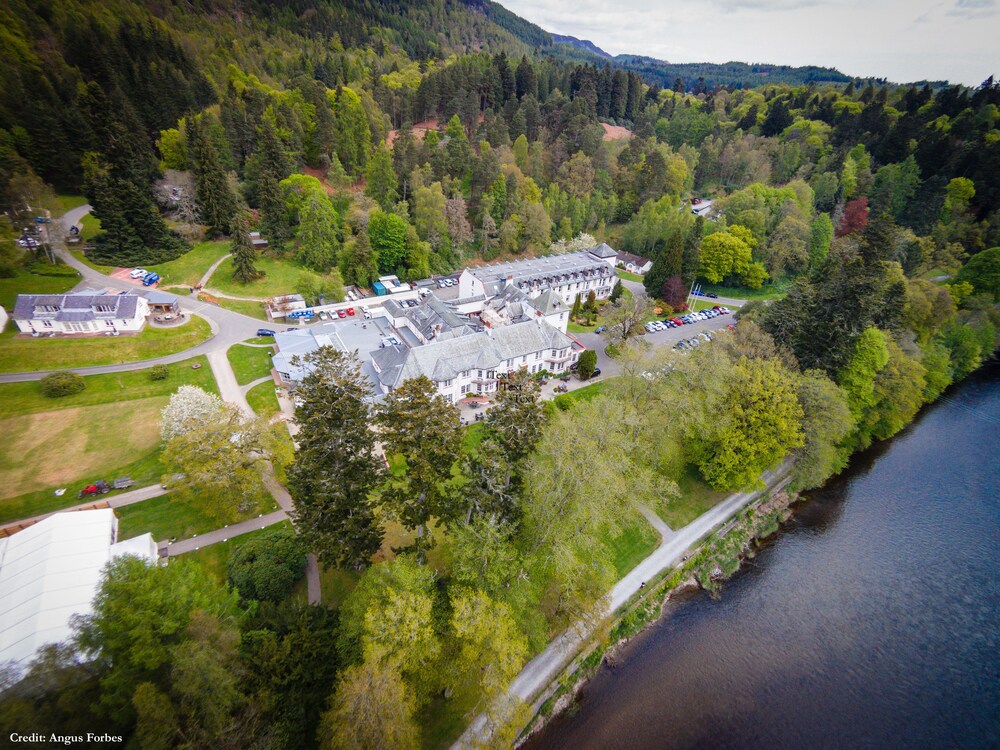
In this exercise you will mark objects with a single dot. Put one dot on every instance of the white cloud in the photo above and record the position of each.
(903, 40)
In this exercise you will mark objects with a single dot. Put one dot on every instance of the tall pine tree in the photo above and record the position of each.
(244, 253)
(336, 466)
(217, 203)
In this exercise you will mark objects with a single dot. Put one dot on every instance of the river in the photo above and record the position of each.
(871, 620)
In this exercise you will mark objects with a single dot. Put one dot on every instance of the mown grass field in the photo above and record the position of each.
(90, 227)
(60, 204)
(177, 515)
(250, 309)
(54, 448)
(26, 354)
(628, 276)
(188, 269)
(52, 280)
(263, 400)
(695, 498)
(774, 290)
(280, 277)
(249, 362)
(111, 429)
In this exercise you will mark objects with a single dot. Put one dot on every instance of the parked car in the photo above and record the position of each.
(150, 279)
(323, 315)
(350, 311)
(712, 295)
(138, 273)
(43, 220)
(265, 332)
(366, 312)
(600, 329)
(596, 372)
(341, 313)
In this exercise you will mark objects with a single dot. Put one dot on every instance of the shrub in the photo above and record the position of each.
(159, 372)
(60, 384)
(267, 567)
(588, 361)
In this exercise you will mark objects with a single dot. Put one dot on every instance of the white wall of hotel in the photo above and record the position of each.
(45, 323)
(471, 286)
(3, 319)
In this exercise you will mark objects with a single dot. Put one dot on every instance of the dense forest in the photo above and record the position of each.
(363, 138)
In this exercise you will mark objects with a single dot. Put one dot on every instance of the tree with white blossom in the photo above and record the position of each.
(189, 408)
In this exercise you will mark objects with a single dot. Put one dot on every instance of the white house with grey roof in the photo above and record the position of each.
(565, 275)
(473, 364)
(84, 312)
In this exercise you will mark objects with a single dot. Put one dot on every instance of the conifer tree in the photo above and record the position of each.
(381, 179)
(244, 253)
(336, 466)
(216, 200)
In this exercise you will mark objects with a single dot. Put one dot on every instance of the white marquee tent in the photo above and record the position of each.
(50, 571)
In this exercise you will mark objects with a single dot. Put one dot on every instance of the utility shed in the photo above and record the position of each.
(50, 571)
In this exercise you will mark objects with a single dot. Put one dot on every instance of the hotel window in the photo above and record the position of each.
(109, 323)
(47, 323)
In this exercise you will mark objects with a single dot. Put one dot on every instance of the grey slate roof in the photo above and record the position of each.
(636, 260)
(77, 306)
(550, 270)
(603, 251)
(444, 360)
(432, 317)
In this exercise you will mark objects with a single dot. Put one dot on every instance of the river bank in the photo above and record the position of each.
(870, 620)
(716, 558)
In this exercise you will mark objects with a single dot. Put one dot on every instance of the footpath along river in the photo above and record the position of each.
(872, 620)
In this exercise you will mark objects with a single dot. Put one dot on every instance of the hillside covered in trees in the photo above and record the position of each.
(364, 138)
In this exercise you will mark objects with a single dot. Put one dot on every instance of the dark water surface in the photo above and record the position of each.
(871, 621)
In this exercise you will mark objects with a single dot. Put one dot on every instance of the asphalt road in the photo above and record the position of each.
(228, 327)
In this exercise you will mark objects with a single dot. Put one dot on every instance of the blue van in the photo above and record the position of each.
(150, 278)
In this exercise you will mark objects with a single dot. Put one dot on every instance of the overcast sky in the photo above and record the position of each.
(902, 40)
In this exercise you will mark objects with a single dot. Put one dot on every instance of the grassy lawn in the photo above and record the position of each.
(18, 399)
(90, 227)
(81, 256)
(53, 280)
(251, 309)
(176, 515)
(249, 362)
(696, 497)
(706, 304)
(628, 276)
(577, 328)
(63, 203)
(78, 428)
(637, 540)
(263, 400)
(281, 277)
(145, 471)
(565, 401)
(188, 269)
(473, 436)
(214, 558)
(29, 354)
(776, 290)
(54, 448)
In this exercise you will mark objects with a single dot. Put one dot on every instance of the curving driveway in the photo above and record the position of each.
(228, 327)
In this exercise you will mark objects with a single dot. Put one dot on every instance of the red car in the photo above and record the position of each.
(341, 314)
(678, 321)
(350, 311)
